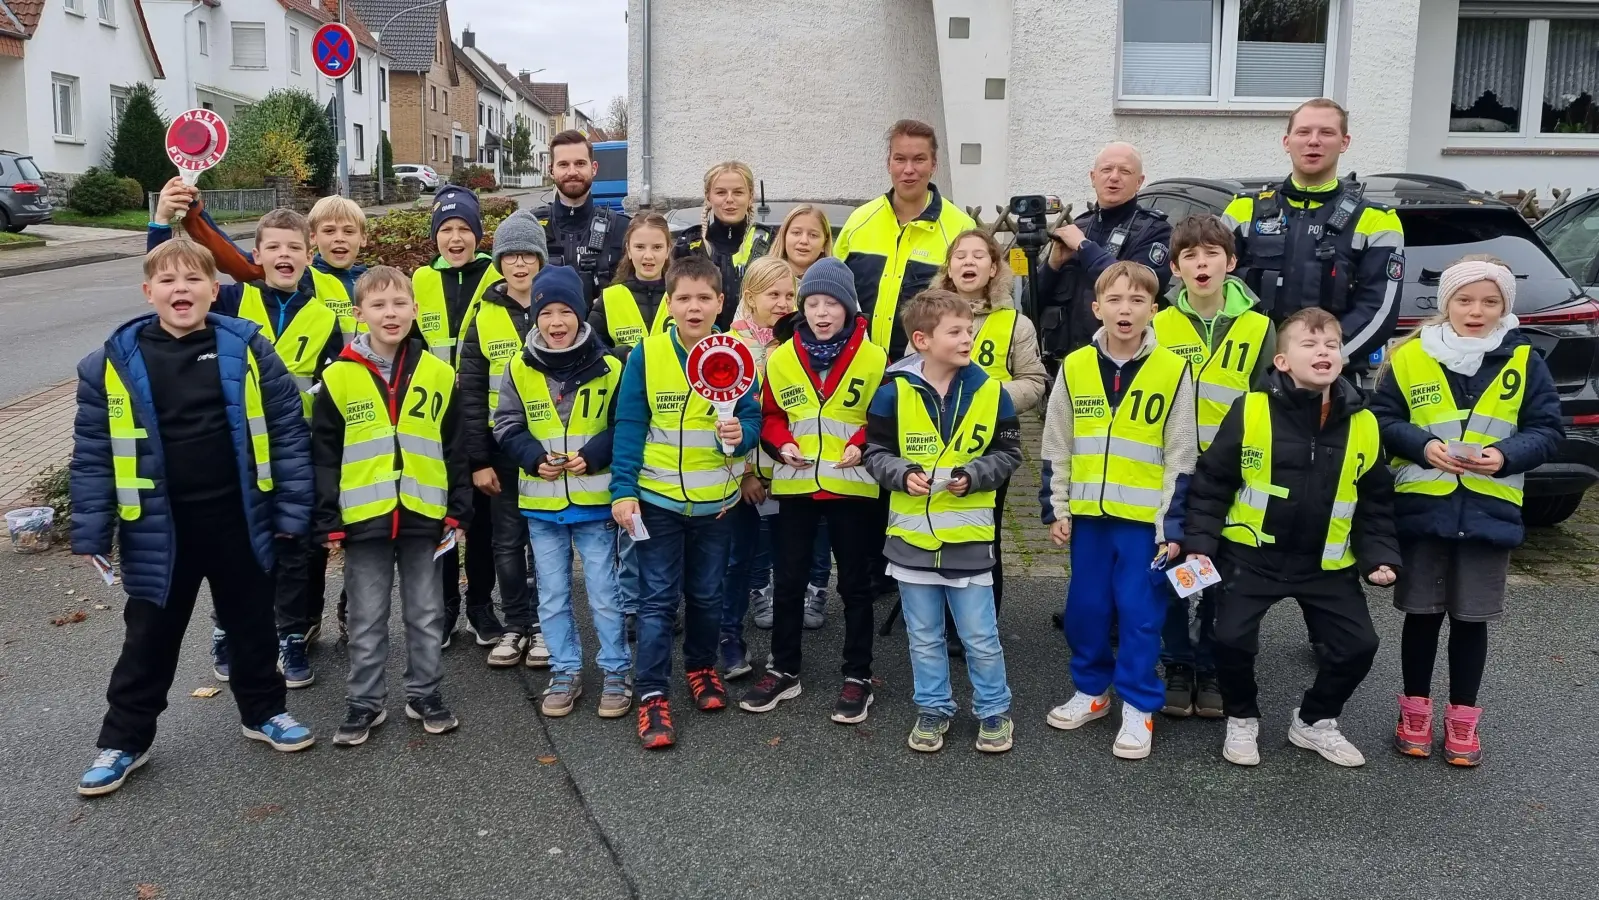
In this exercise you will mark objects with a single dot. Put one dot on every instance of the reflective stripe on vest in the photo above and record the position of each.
(625, 321)
(589, 416)
(387, 463)
(301, 344)
(433, 313)
(255, 422)
(822, 430)
(1220, 378)
(1246, 519)
(330, 290)
(499, 343)
(1425, 387)
(991, 346)
(683, 459)
(1119, 455)
(930, 522)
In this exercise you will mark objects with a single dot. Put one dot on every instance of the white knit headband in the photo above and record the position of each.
(1461, 274)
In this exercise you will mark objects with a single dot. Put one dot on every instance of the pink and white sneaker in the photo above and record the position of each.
(1413, 734)
(1461, 747)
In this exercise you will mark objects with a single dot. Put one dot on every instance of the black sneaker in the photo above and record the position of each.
(435, 717)
(630, 624)
(1179, 690)
(1207, 696)
(358, 725)
(484, 625)
(956, 649)
(853, 702)
(773, 688)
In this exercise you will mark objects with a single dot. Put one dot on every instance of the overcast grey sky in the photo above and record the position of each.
(580, 42)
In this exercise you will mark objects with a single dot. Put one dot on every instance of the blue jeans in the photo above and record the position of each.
(749, 566)
(627, 572)
(1111, 573)
(685, 558)
(922, 606)
(1188, 640)
(821, 563)
(552, 564)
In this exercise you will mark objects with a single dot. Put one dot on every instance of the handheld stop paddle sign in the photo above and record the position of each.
(721, 369)
(196, 141)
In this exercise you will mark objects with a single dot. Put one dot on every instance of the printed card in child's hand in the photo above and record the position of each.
(103, 566)
(1469, 450)
(638, 531)
(1193, 576)
(446, 545)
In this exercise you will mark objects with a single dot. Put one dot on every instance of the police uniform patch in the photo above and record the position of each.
(1269, 226)
(1396, 267)
(1157, 254)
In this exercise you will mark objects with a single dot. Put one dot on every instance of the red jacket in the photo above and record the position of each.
(774, 420)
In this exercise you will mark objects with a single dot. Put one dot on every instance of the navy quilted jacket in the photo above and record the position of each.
(147, 542)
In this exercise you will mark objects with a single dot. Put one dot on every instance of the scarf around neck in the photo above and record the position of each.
(1464, 355)
(823, 353)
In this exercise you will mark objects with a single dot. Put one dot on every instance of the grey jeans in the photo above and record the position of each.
(369, 582)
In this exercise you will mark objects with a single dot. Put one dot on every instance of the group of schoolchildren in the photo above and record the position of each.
(485, 399)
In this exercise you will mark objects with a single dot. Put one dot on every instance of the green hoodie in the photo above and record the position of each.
(1237, 299)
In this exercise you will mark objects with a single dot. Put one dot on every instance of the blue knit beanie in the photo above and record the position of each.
(559, 284)
(456, 202)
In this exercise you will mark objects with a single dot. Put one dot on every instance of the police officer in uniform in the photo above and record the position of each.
(1116, 228)
(581, 235)
(1315, 240)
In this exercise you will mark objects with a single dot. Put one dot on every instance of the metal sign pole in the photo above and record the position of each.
(344, 129)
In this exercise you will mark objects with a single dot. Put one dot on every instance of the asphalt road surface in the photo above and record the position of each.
(50, 320)
(788, 804)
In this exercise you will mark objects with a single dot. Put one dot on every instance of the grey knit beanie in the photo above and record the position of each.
(831, 277)
(521, 232)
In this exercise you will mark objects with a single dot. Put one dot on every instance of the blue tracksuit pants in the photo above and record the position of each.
(1110, 571)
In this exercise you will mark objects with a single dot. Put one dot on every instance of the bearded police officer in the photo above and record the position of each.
(1116, 228)
(1315, 240)
(587, 238)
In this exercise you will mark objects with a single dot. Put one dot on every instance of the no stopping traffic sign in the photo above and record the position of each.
(333, 50)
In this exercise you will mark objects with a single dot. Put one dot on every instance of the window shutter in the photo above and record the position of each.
(1271, 69)
(249, 46)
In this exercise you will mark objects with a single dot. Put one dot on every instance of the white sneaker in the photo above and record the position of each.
(1325, 738)
(1079, 711)
(507, 650)
(1240, 748)
(538, 652)
(1137, 735)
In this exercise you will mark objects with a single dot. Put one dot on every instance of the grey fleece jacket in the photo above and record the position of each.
(362, 344)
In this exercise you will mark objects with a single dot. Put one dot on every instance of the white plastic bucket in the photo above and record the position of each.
(30, 528)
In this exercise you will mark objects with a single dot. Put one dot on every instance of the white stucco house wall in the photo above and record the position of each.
(1023, 93)
(65, 67)
(521, 109)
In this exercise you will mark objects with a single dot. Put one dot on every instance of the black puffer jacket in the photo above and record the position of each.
(725, 241)
(472, 383)
(1306, 458)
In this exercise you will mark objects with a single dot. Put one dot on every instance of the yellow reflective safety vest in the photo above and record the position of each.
(1246, 519)
(683, 459)
(930, 522)
(822, 430)
(126, 435)
(1119, 455)
(589, 416)
(433, 313)
(902, 258)
(330, 290)
(498, 340)
(1220, 376)
(991, 346)
(1432, 408)
(301, 343)
(625, 321)
(387, 463)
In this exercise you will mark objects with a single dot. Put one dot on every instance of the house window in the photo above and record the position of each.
(971, 154)
(64, 96)
(356, 76)
(1524, 81)
(119, 103)
(360, 142)
(294, 50)
(438, 52)
(433, 98)
(994, 89)
(460, 146)
(205, 38)
(446, 102)
(960, 27)
(108, 12)
(1245, 53)
(74, 6)
(435, 147)
(480, 113)
(383, 84)
(249, 45)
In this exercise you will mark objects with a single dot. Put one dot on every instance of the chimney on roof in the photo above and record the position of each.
(526, 76)
(468, 39)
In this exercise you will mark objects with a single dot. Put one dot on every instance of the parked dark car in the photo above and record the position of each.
(1443, 221)
(1572, 233)
(24, 199)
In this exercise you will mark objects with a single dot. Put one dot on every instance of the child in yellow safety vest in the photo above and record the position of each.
(555, 421)
(1211, 322)
(1293, 499)
(338, 233)
(496, 327)
(633, 306)
(190, 453)
(391, 493)
(1466, 408)
(941, 437)
(1118, 450)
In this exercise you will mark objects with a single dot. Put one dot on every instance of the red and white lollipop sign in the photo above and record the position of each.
(721, 369)
(196, 141)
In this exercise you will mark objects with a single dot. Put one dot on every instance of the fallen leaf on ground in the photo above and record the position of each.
(774, 742)
(79, 816)
(258, 813)
(206, 693)
(147, 891)
(414, 744)
(73, 617)
(548, 760)
(70, 593)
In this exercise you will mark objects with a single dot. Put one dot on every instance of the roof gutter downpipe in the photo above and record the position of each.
(644, 112)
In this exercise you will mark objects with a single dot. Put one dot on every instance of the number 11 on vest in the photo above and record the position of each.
(721, 369)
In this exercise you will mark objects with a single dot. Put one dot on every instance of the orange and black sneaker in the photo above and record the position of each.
(706, 686)
(655, 729)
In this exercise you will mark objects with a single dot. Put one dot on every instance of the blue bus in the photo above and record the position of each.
(610, 185)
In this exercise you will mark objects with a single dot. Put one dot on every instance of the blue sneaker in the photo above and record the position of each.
(283, 732)
(109, 769)
(219, 654)
(735, 661)
(293, 662)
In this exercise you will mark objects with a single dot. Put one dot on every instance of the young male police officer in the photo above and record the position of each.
(581, 235)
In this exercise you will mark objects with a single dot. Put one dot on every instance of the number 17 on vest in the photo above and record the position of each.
(721, 369)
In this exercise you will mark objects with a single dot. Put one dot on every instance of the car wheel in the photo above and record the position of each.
(5, 223)
(1541, 512)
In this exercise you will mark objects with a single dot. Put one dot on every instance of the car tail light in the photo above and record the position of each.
(1568, 315)
(1590, 419)
(26, 187)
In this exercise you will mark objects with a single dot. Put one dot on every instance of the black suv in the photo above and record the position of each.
(1443, 221)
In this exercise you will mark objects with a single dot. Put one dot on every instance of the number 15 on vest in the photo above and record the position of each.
(721, 369)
